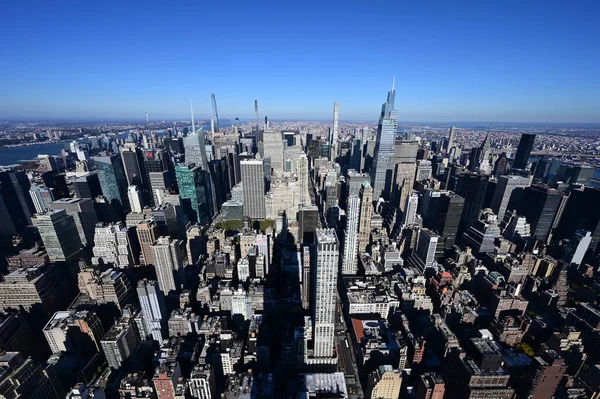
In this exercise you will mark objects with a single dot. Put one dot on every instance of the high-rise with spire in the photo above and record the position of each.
(195, 153)
(383, 160)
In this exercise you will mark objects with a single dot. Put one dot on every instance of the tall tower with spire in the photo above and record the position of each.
(195, 153)
(383, 159)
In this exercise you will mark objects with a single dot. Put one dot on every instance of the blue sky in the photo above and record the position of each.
(463, 60)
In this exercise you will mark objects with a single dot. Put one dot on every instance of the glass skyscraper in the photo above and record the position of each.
(112, 180)
(383, 160)
(192, 191)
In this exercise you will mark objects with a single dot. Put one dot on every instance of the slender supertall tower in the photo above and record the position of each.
(349, 263)
(215, 117)
(256, 111)
(383, 160)
(333, 137)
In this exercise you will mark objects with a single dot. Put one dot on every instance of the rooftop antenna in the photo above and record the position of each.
(193, 123)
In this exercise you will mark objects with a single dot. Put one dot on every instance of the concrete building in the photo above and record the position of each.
(350, 261)
(147, 233)
(120, 342)
(42, 197)
(366, 213)
(24, 378)
(30, 286)
(135, 199)
(110, 286)
(384, 383)
(112, 246)
(168, 263)
(508, 194)
(324, 291)
(153, 307)
(76, 331)
(253, 186)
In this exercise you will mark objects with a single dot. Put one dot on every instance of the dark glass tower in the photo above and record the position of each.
(471, 186)
(523, 151)
(540, 206)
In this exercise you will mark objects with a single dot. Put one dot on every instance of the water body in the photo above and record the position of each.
(16, 155)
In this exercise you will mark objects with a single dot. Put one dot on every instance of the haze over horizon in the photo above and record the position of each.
(471, 61)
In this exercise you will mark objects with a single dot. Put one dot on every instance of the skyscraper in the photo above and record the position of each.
(450, 143)
(471, 186)
(59, 235)
(523, 151)
(87, 186)
(381, 172)
(349, 263)
(302, 171)
(508, 194)
(333, 137)
(14, 187)
(84, 214)
(540, 206)
(192, 191)
(41, 197)
(366, 212)
(135, 199)
(168, 263)
(153, 306)
(273, 149)
(147, 233)
(113, 181)
(324, 289)
(448, 221)
(133, 165)
(253, 186)
(215, 118)
(412, 203)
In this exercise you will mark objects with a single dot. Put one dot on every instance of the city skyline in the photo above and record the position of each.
(476, 62)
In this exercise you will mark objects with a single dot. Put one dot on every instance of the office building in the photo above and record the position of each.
(448, 222)
(302, 171)
(308, 223)
(192, 191)
(508, 194)
(383, 160)
(324, 292)
(431, 386)
(366, 213)
(113, 181)
(110, 286)
(41, 197)
(147, 232)
(133, 164)
(83, 212)
(59, 235)
(76, 331)
(32, 286)
(87, 186)
(523, 151)
(168, 263)
(349, 263)
(410, 213)
(202, 382)
(471, 186)
(153, 307)
(253, 186)
(135, 199)
(120, 342)
(25, 378)
(384, 383)
(541, 207)
(273, 149)
(14, 189)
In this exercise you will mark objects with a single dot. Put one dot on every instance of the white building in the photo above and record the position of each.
(153, 308)
(135, 199)
(253, 186)
(111, 245)
(350, 261)
(168, 263)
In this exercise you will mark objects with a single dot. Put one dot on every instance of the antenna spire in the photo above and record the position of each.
(193, 123)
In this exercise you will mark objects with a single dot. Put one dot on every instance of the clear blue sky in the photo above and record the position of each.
(462, 60)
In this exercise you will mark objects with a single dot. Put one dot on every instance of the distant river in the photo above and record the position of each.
(15, 155)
